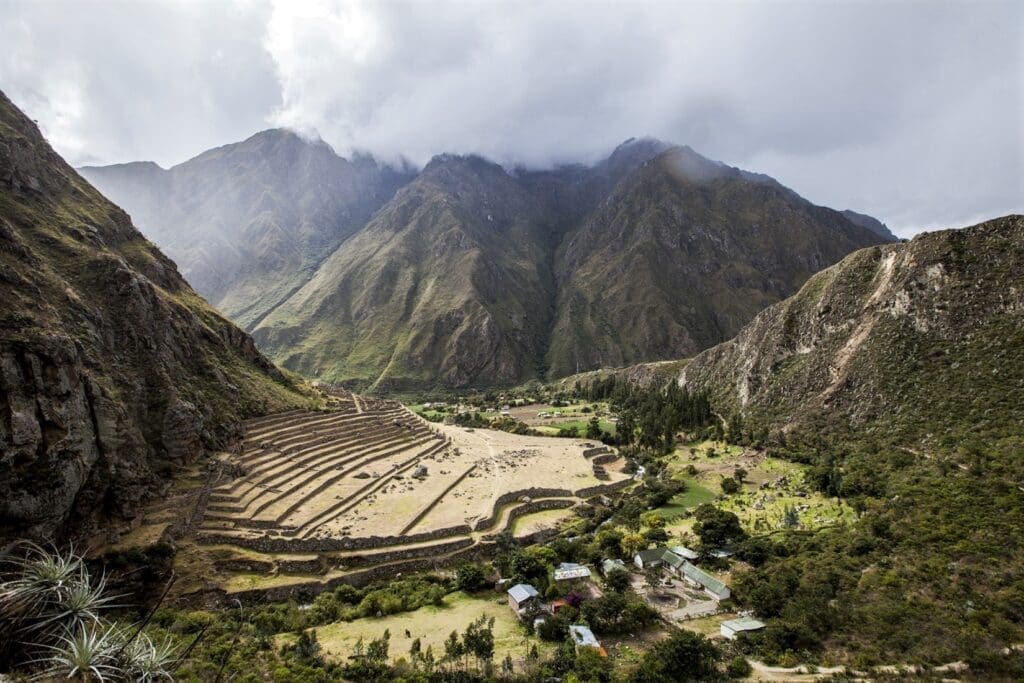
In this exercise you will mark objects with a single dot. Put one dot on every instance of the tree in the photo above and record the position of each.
(717, 527)
(610, 542)
(683, 656)
(470, 577)
(594, 428)
(591, 667)
(730, 485)
(478, 640)
(740, 474)
(738, 667)
(617, 580)
(652, 577)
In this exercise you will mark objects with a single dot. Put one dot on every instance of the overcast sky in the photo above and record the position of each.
(909, 111)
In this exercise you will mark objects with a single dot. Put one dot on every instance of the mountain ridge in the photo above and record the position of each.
(543, 230)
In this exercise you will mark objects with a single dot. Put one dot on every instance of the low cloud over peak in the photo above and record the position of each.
(908, 111)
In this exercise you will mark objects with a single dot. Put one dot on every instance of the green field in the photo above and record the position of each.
(580, 425)
(695, 494)
(432, 626)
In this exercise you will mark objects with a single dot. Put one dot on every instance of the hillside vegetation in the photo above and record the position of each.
(112, 368)
(897, 376)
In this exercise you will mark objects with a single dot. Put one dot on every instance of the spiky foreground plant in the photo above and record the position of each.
(51, 623)
(86, 654)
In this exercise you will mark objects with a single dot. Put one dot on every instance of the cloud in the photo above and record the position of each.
(909, 111)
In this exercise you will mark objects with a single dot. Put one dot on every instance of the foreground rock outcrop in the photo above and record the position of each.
(112, 370)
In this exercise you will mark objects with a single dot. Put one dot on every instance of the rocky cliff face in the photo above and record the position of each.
(112, 369)
(924, 338)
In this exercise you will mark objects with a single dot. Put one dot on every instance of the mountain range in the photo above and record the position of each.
(112, 369)
(466, 273)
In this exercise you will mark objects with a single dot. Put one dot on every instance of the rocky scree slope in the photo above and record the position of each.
(923, 339)
(112, 369)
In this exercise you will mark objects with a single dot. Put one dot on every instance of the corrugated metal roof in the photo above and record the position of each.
(571, 570)
(743, 624)
(685, 553)
(703, 578)
(581, 635)
(522, 592)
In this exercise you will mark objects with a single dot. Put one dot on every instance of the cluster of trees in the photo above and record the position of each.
(650, 418)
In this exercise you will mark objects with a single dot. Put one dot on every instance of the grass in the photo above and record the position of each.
(539, 520)
(432, 625)
(695, 494)
(580, 425)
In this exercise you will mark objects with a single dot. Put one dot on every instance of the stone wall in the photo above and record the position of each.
(604, 488)
(350, 561)
(511, 497)
(316, 545)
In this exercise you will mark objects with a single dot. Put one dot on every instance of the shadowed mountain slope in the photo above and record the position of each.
(250, 222)
(474, 275)
(112, 369)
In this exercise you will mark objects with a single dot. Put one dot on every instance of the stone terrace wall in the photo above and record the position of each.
(604, 488)
(511, 497)
(351, 561)
(316, 545)
(306, 591)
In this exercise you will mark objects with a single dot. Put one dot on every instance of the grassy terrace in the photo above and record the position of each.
(760, 510)
(432, 625)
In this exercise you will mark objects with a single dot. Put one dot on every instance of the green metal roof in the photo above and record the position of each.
(743, 624)
(703, 578)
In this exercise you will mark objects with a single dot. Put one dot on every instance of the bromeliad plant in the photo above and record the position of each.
(51, 623)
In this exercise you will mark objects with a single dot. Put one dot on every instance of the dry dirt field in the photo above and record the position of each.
(310, 497)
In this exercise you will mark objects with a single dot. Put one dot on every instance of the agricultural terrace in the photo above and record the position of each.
(546, 418)
(310, 498)
(769, 488)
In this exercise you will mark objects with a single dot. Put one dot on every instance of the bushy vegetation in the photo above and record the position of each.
(929, 574)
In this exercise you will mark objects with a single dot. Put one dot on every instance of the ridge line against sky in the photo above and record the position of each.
(910, 112)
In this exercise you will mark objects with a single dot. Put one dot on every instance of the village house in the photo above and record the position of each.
(584, 637)
(677, 566)
(568, 571)
(656, 557)
(700, 578)
(731, 629)
(523, 599)
(608, 566)
(685, 553)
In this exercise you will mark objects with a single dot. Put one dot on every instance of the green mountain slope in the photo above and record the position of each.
(680, 256)
(473, 275)
(448, 284)
(112, 368)
(249, 222)
(897, 375)
(925, 338)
